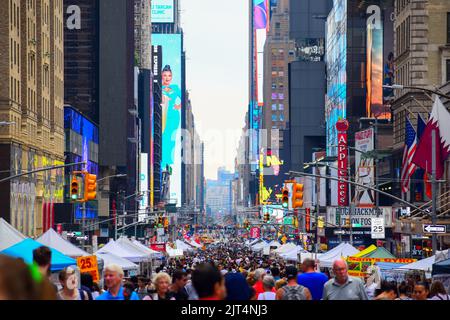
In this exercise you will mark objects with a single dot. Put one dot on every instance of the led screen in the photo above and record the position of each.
(171, 109)
(336, 57)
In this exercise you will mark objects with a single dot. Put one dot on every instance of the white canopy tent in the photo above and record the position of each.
(253, 242)
(53, 240)
(129, 245)
(183, 246)
(286, 247)
(8, 235)
(267, 248)
(342, 250)
(293, 254)
(424, 264)
(174, 253)
(259, 246)
(119, 250)
(109, 258)
(154, 253)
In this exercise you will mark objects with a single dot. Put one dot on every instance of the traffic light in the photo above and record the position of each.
(90, 185)
(285, 198)
(74, 189)
(160, 220)
(266, 217)
(347, 222)
(166, 222)
(297, 195)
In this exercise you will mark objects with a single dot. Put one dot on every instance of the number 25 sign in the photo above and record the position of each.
(89, 264)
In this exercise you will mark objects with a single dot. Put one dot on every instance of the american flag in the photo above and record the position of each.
(408, 168)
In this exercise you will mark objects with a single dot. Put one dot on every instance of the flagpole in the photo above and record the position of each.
(434, 187)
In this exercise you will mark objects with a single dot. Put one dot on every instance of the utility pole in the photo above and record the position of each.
(83, 224)
(317, 215)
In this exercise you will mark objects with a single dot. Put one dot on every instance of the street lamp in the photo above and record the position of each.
(138, 194)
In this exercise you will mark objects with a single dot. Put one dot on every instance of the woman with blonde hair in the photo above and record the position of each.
(162, 283)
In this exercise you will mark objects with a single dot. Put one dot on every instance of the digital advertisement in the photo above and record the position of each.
(171, 109)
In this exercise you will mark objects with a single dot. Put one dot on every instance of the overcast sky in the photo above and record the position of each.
(216, 43)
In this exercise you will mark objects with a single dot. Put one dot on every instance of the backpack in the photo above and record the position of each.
(294, 292)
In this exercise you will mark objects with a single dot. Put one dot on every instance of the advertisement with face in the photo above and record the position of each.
(171, 109)
(364, 141)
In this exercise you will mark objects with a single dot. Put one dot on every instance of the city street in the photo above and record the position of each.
(238, 150)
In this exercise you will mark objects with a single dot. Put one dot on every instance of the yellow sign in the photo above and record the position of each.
(89, 264)
(357, 267)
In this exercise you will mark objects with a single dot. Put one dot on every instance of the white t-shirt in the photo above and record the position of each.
(267, 296)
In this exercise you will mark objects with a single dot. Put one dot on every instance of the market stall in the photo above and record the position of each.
(126, 253)
(129, 267)
(343, 250)
(24, 250)
(53, 240)
(8, 235)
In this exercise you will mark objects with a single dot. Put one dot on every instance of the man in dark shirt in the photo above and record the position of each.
(179, 280)
(311, 279)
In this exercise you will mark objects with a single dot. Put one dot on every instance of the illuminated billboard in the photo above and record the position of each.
(163, 11)
(375, 106)
(171, 109)
(364, 141)
(336, 58)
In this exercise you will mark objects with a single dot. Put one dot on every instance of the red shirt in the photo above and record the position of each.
(259, 288)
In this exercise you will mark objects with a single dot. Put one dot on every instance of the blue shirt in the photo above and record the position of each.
(108, 296)
(314, 281)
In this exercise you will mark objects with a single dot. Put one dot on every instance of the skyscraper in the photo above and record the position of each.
(31, 99)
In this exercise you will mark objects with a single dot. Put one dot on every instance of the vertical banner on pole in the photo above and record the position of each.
(342, 127)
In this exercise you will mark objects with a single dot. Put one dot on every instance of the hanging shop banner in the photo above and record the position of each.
(342, 127)
(357, 267)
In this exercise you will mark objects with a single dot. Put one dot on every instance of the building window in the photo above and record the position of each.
(448, 27)
(447, 62)
(281, 107)
(274, 106)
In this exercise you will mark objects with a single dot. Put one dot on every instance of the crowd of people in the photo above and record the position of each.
(221, 272)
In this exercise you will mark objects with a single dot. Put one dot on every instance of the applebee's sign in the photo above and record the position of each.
(342, 127)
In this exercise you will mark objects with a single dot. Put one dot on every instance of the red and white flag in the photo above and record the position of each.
(439, 122)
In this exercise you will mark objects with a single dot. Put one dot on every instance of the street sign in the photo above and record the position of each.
(429, 228)
(89, 264)
(377, 228)
(336, 232)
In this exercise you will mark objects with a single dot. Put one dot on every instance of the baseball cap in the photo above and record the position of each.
(291, 272)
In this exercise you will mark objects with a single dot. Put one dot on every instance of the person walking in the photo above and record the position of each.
(438, 292)
(113, 277)
(258, 276)
(342, 286)
(208, 282)
(403, 292)
(421, 291)
(388, 291)
(311, 279)
(162, 282)
(69, 283)
(268, 285)
(178, 288)
(292, 290)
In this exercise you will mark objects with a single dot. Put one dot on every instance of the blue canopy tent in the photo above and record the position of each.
(25, 249)
(442, 267)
